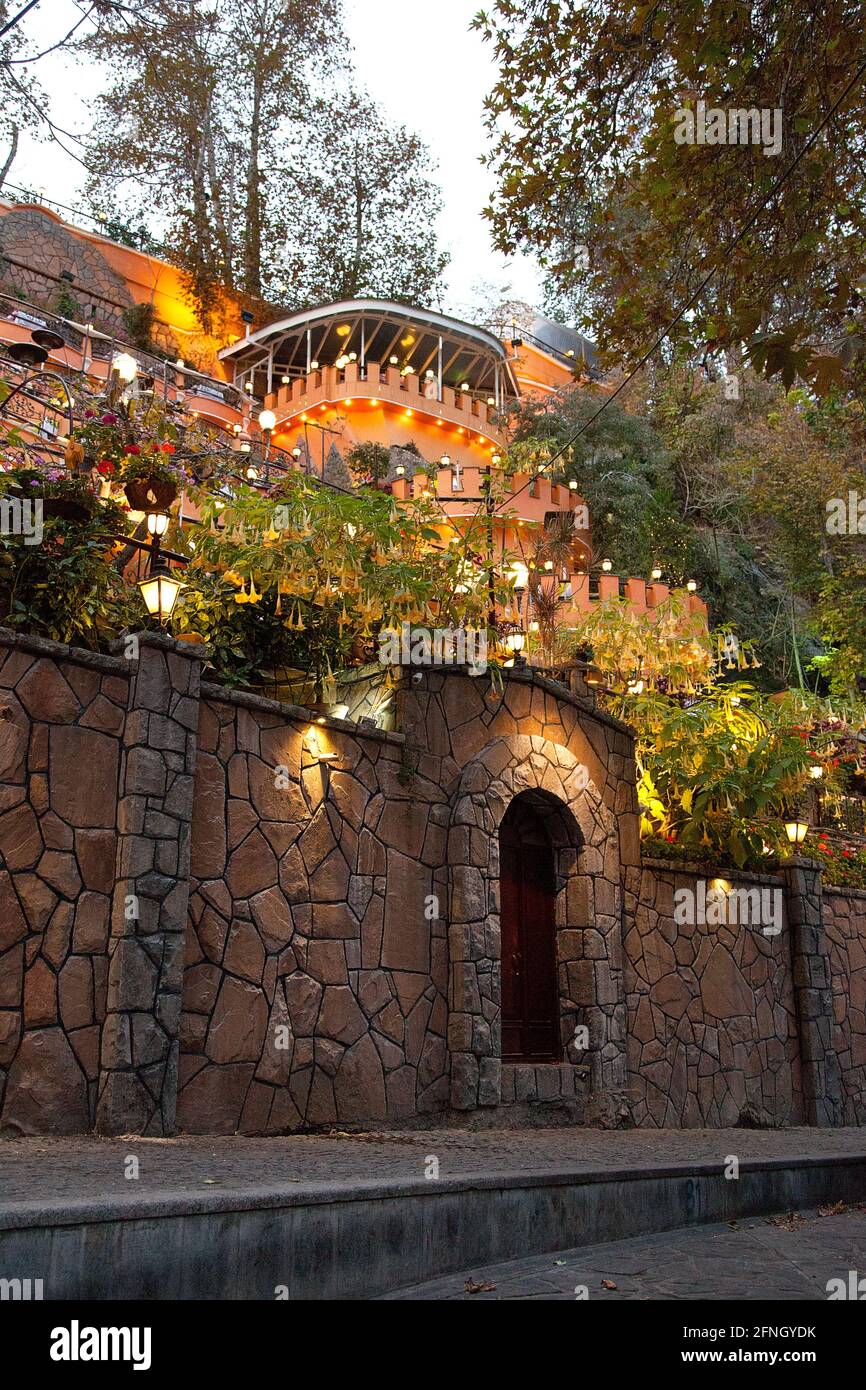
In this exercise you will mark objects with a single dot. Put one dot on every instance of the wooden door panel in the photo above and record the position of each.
(530, 1006)
(510, 911)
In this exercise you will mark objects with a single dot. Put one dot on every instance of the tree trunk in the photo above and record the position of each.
(222, 225)
(253, 237)
(359, 229)
(13, 150)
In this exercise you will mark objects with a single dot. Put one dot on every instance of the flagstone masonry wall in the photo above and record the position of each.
(713, 1028)
(344, 964)
(845, 919)
(62, 717)
(217, 914)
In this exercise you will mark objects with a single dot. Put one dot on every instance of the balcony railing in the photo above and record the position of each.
(336, 385)
(90, 350)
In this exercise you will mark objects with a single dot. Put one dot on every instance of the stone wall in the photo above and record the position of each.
(343, 958)
(30, 237)
(712, 1016)
(845, 919)
(314, 989)
(62, 717)
(221, 913)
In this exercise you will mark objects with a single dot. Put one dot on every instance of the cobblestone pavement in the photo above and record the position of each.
(777, 1257)
(82, 1168)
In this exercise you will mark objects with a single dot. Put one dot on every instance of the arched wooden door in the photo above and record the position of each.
(530, 1004)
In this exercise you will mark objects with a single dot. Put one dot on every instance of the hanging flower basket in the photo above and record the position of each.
(148, 494)
(61, 499)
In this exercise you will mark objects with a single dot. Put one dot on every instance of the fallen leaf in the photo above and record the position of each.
(608, 1284)
(786, 1223)
(559, 1262)
(834, 1209)
(485, 1286)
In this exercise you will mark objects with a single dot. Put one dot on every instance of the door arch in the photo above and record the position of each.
(584, 833)
(530, 1002)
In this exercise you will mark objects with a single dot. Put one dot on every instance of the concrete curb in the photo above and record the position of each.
(362, 1239)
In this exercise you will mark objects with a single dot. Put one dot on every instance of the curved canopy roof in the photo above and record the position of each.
(375, 330)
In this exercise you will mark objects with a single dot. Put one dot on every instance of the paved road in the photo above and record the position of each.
(87, 1168)
(781, 1257)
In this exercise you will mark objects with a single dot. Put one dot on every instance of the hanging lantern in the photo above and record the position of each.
(159, 591)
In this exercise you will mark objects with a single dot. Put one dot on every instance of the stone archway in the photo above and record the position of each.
(588, 912)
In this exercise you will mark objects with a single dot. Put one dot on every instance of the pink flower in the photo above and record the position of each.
(109, 419)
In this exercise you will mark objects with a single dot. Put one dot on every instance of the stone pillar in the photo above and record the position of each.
(139, 1049)
(474, 1022)
(819, 1064)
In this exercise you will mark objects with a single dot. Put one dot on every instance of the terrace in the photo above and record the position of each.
(429, 346)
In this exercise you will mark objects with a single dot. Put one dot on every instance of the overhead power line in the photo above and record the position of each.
(16, 19)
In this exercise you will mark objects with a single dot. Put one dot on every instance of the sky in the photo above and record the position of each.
(424, 69)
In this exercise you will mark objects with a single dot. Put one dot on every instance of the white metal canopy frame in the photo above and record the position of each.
(433, 346)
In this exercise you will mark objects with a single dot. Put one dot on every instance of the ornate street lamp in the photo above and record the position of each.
(515, 641)
(160, 590)
(125, 367)
(796, 831)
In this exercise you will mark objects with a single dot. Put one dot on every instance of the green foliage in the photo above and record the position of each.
(622, 471)
(247, 644)
(369, 463)
(339, 566)
(273, 178)
(583, 118)
(43, 484)
(841, 620)
(139, 321)
(666, 645)
(67, 588)
(753, 477)
(139, 438)
(66, 304)
(365, 222)
(717, 772)
(139, 238)
(844, 862)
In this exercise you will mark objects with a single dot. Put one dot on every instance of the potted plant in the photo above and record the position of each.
(150, 481)
(62, 498)
(98, 444)
(112, 444)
